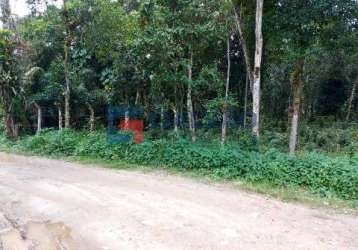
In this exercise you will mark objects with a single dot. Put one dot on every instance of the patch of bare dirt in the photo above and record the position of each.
(38, 236)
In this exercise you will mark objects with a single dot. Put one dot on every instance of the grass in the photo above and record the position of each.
(286, 194)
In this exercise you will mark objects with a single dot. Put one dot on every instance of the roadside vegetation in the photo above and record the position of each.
(320, 174)
(262, 92)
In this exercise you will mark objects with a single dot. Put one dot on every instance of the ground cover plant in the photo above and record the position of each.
(321, 174)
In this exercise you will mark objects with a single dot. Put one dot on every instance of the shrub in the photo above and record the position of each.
(325, 175)
(335, 138)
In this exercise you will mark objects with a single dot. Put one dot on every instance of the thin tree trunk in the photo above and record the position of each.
(181, 109)
(162, 114)
(227, 88)
(60, 117)
(244, 48)
(9, 125)
(146, 106)
(351, 99)
(137, 98)
(7, 106)
(67, 91)
(92, 117)
(176, 120)
(126, 97)
(290, 108)
(39, 117)
(257, 70)
(297, 87)
(245, 102)
(191, 118)
(175, 112)
(17, 127)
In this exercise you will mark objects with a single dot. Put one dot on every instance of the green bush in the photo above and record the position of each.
(332, 138)
(51, 142)
(324, 175)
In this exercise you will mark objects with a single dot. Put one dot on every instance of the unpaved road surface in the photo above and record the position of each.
(56, 205)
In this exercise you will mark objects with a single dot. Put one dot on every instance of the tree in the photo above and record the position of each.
(35, 97)
(253, 74)
(87, 90)
(227, 89)
(243, 43)
(293, 39)
(351, 70)
(69, 26)
(198, 31)
(7, 76)
(42, 34)
(351, 99)
(51, 90)
(256, 91)
(174, 58)
(9, 80)
(297, 86)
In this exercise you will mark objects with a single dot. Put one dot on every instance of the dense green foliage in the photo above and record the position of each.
(321, 174)
(334, 138)
(138, 52)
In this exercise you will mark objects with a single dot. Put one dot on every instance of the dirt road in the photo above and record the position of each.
(48, 204)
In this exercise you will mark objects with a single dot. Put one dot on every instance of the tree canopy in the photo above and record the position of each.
(173, 57)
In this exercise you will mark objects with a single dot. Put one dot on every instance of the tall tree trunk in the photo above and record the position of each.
(351, 99)
(92, 117)
(9, 125)
(290, 108)
(244, 48)
(191, 118)
(6, 102)
(297, 87)
(257, 70)
(245, 102)
(39, 117)
(60, 117)
(67, 91)
(227, 88)
(181, 108)
(176, 112)
(176, 120)
(16, 129)
(67, 44)
(126, 98)
(137, 98)
(146, 104)
(162, 114)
